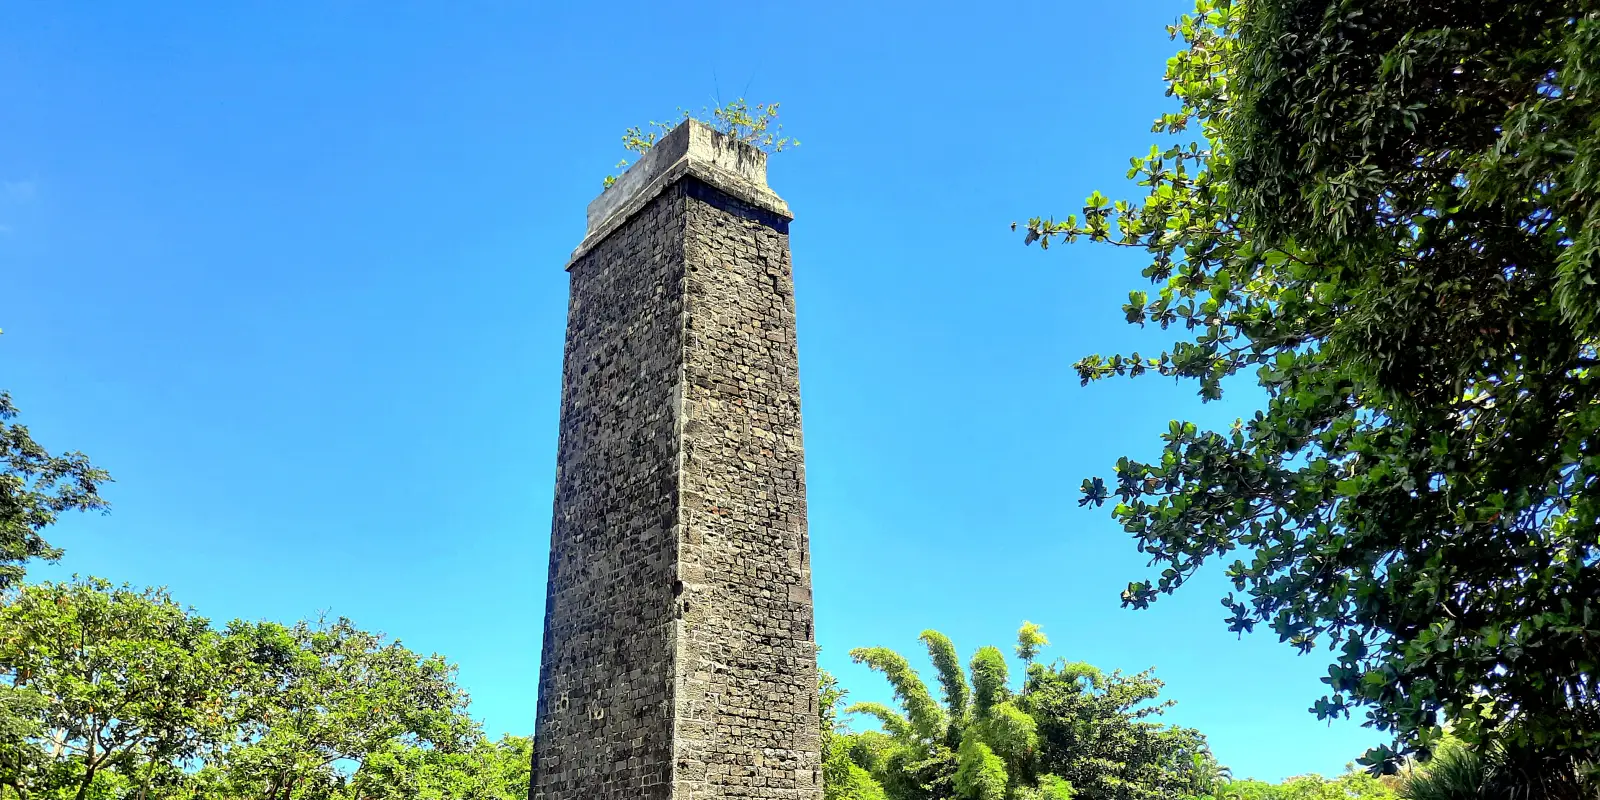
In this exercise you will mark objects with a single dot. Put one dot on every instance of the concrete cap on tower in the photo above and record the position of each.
(693, 149)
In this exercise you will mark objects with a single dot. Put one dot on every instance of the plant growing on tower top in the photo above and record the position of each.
(756, 125)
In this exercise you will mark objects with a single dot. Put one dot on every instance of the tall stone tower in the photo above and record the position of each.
(679, 660)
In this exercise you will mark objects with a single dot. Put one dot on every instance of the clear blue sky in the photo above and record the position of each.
(292, 271)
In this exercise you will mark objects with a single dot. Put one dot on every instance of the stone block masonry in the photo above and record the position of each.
(679, 658)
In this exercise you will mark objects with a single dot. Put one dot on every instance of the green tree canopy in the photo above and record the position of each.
(1499, 770)
(1387, 217)
(484, 771)
(116, 692)
(1353, 785)
(1073, 732)
(35, 489)
(1099, 732)
(842, 777)
(327, 694)
(99, 678)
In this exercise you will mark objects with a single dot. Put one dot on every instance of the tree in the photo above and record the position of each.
(1075, 732)
(485, 771)
(1501, 770)
(842, 778)
(329, 693)
(1030, 640)
(35, 489)
(1097, 731)
(116, 692)
(22, 757)
(1353, 785)
(1389, 218)
(99, 679)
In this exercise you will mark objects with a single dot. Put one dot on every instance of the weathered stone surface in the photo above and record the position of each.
(691, 149)
(678, 655)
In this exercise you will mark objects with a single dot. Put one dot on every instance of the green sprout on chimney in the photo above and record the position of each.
(755, 125)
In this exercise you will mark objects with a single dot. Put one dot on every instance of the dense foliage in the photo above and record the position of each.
(35, 488)
(110, 691)
(1350, 786)
(1096, 730)
(842, 777)
(1503, 770)
(1388, 217)
(1072, 731)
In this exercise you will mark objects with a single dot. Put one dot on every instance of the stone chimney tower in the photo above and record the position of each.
(679, 660)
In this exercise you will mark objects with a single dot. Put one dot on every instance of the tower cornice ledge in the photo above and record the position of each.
(691, 150)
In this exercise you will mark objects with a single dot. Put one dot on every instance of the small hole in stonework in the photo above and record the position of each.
(677, 588)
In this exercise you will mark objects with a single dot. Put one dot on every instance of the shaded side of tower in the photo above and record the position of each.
(604, 727)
